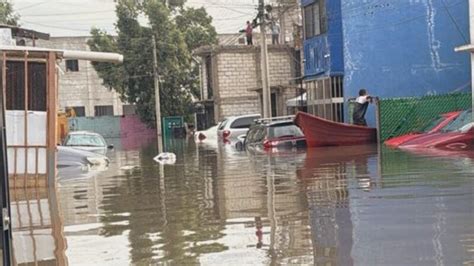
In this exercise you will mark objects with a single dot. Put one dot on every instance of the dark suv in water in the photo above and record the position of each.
(273, 134)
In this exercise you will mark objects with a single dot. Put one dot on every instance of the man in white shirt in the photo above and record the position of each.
(275, 33)
(360, 108)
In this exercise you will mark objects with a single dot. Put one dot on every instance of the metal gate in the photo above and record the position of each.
(4, 190)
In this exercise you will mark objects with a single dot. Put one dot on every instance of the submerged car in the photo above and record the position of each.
(205, 135)
(234, 126)
(74, 163)
(88, 141)
(434, 126)
(273, 134)
(456, 136)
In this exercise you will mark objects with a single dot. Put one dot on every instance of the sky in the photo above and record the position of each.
(77, 17)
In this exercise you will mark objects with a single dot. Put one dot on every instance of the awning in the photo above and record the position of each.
(297, 101)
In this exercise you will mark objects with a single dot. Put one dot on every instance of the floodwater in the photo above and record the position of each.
(216, 206)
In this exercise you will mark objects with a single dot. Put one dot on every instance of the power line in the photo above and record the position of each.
(71, 13)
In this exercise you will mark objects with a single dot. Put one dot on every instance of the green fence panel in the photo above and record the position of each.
(169, 123)
(404, 115)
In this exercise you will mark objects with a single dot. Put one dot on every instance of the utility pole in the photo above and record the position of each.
(156, 77)
(265, 70)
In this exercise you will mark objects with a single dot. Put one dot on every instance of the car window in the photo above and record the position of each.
(251, 134)
(85, 140)
(464, 118)
(285, 130)
(260, 134)
(222, 125)
(432, 124)
(243, 122)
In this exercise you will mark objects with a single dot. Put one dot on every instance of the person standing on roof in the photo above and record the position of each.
(275, 33)
(360, 108)
(249, 33)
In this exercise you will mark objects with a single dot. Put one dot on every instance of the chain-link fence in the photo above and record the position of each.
(403, 115)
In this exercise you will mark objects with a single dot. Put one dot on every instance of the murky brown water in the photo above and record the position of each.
(334, 206)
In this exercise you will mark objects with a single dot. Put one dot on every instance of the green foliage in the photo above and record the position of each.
(7, 16)
(178, 31)
(197, 29)
(196, 26)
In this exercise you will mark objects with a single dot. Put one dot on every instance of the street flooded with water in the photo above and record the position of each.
(216, 206)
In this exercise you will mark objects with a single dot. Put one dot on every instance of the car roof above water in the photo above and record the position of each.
(83, 133)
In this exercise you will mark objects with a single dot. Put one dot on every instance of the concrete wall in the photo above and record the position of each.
(107, 126)
(82, 88)
(408, 44)
(131, 131)
(405, 48)
(324, 53)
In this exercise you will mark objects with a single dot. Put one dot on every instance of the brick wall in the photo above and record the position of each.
(237, 78)
(84, 87)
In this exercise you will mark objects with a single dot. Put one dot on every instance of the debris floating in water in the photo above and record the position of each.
(165, 158)
(129, 167)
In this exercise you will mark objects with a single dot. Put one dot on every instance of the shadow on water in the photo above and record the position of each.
(331, 206)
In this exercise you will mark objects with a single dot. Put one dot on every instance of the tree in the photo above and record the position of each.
(175, 39)
(7, 16)
(196, 25)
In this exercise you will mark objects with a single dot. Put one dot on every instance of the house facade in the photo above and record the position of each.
(81, 86)
(392, 49)
(231, 81)
(323, 58)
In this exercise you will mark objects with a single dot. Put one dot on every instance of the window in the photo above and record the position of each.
(222, 125)
(15, 91)
(85, 140)
(72, 65)
(326, 99)
(285, 130)
(79, 111)
(129, 109)
(104, 110)
(315, 19)
(243, 122)
(463, 119)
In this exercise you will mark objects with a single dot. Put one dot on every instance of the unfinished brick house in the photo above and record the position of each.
(231, 81)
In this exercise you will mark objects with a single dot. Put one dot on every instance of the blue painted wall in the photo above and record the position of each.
(404, 48)
(324, 53)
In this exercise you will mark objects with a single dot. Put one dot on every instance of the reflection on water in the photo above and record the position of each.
(331, 206)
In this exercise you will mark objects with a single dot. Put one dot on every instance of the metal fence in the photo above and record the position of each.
(403, 115)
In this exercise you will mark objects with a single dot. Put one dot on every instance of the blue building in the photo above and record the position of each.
(392, 48)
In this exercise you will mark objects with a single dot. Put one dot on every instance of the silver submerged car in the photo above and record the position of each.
(87, 141)
(73, 163)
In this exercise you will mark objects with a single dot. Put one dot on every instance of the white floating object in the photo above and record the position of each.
(128, 167)
(165, 158)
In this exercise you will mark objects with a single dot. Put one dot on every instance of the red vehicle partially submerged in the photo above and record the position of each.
(456, 136)
(433, 127)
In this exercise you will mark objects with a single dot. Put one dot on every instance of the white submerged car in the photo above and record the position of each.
(234, 126)
(87, 141)
(207, 135)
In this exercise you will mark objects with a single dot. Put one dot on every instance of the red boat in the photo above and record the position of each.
(321, 132)
(433, 127)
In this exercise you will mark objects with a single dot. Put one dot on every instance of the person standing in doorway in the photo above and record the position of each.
(360, 108)
(275, 33)
(249, 33)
